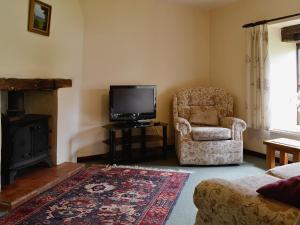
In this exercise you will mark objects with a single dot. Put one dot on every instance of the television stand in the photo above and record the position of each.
(139, 123)
(128, 139)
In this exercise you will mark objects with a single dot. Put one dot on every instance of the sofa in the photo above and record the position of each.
(198, 144)
(222, 202)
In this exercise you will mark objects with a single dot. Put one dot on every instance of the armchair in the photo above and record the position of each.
(198, 144)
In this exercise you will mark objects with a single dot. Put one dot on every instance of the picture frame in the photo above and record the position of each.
(39, 17)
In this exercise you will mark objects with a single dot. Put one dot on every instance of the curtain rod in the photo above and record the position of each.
(268, 21)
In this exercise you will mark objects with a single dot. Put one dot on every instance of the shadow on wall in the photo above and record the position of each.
(94, 107)
(93, 114)
(88, 142)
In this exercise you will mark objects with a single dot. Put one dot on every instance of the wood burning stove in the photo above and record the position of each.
(25, 138)
(15, 106)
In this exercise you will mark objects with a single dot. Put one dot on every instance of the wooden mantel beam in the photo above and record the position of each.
(15, 84)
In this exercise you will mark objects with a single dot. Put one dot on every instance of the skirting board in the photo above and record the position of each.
(253, 153)
(105, 156)
(260, 155)
(170, 148)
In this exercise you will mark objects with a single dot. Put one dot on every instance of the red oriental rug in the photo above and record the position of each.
(104, 195)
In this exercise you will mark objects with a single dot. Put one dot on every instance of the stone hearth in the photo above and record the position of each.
(30, 185)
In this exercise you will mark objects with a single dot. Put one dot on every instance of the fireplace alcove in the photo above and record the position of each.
(36, 117)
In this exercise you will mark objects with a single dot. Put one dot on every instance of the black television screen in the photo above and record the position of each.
(132, 103)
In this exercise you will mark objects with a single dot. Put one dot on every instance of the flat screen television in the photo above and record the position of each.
(132, 103)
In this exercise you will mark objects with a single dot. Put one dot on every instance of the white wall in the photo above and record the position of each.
(28, 55)
(138, 42)
(227, 64)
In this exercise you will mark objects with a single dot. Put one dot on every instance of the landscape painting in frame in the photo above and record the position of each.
(39, 17)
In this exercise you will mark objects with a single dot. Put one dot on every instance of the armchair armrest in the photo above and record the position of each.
(182, 126)
(237, 126)
(224, 202)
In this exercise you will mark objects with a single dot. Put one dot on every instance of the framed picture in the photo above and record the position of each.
(39, 17)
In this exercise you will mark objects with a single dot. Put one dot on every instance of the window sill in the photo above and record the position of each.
(293, 132)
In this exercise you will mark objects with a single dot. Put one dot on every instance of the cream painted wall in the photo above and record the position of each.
(228, 49)
(138, 42)
(129, 42)
(28, 55)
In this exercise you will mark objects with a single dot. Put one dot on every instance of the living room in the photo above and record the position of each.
(172, 44)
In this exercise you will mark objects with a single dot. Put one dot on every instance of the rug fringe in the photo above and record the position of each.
(148, 168)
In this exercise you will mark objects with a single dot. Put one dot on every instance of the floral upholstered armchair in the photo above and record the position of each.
(206, 133)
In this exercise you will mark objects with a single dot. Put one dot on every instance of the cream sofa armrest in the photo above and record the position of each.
(298, 221)
(237, 126)
(182, 126)
(224, 202)
(212, 189)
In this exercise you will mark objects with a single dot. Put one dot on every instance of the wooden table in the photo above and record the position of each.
(285, 146)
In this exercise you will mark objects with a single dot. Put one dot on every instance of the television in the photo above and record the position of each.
(132, 103)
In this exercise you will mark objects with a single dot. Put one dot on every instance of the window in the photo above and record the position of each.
(284, 81)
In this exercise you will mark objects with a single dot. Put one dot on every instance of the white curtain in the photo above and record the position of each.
(258, 82)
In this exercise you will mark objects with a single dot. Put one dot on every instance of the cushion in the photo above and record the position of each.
(252, 183)
(287, 191)
(205, 117)
(210, 133)
(285, 171)
(184, 112)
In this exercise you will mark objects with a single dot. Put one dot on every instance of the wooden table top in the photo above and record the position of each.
(284, 142)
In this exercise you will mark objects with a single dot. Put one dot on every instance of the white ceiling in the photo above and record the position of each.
(206, 3)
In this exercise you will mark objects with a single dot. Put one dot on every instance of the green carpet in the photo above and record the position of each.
(184, 212)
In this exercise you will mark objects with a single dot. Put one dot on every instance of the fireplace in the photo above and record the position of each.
(25, 142)
(15, 100)
(25, 137)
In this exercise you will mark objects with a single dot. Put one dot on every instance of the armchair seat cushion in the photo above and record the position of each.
(210, 133)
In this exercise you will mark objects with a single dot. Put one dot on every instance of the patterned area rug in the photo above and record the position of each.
(104, 195)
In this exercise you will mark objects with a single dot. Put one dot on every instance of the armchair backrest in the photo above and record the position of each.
(203, 98)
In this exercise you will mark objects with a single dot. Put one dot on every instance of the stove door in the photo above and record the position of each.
(21, 144)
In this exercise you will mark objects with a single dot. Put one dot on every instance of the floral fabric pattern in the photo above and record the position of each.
(190, 147)
(203, 98)
(207, 117)
(236, 202)
(183, 126)
(210, 133)
(298, 221)
(257, 78)
(184, 112)
(191, 152)
(236, 125)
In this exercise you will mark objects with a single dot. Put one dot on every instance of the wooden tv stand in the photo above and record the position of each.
(127, 139)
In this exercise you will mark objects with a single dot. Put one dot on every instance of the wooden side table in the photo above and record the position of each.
(285, 146)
